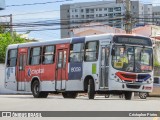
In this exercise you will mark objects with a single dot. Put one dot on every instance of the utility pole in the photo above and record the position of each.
(11, 25)
(128, 24)
(7, 23)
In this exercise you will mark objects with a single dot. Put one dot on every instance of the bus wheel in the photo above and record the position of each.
(35, 90)
(143, 95)
(91, 89)
(70, 94)
(107, 95)
(128, 95)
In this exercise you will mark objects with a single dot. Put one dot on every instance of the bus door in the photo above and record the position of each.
(104, 67)
(61, 69)
(22, 59)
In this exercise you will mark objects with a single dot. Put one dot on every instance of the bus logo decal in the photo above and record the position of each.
(35, 72)
(29, 72)
(75, 71)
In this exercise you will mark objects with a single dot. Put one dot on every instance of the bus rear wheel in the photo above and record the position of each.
(91, 89)
(70, 94)
(128, 95)
(36, 90)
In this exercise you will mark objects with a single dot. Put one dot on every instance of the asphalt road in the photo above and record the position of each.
(81, 103)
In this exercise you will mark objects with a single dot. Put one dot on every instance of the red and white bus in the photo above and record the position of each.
(90, 64)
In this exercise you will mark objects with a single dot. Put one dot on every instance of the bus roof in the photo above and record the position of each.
(68, 40)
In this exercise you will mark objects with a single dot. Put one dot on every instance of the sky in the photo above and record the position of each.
(48, 12)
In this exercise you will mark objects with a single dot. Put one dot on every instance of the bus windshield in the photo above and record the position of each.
(132, 59)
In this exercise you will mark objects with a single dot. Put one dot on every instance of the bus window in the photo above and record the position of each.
(12, 58)
(60, 58)
(76, 52)
(35, 55)
(91, 51)
(48, 55)
(132, 59)
(64, 59)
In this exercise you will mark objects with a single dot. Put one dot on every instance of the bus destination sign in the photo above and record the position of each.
(133, 40)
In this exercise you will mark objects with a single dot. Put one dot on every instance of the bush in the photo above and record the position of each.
(7, 39)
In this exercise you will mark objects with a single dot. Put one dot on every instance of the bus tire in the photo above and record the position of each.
(69, 95)
(91, 89)
(35, 90)
(107, 95)
(128, 95)
(143, 95)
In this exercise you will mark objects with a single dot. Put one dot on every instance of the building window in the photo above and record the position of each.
(100, 15)
(76, 52)
(118, 20)
(91, 51)
(100, 9)
(35, 55)
(133, 7)
(91, 10)
(117, 14)
(81, 10)
(110, 9)
(82, 16)
(105, 14)
(12, 58)
(91, 16)
(75, 10)
(105, 9)
(48, 54)
(87, 10)
(68, 10)
(117, 8)
(96, 15)
(76, 16)
(110, 15)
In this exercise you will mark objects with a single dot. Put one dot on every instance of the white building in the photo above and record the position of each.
(156, 15)
(106, 12)
(148, 10)
(110, 13)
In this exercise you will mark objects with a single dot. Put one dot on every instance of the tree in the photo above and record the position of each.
(6, 39)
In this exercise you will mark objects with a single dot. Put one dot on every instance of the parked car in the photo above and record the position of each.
(156, 89)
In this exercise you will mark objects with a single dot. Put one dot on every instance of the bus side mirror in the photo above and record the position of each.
(113, 52)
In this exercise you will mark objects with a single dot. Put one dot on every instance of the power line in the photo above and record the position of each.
(43, 29)
(37, 3)
(35, 12)
(63, 9)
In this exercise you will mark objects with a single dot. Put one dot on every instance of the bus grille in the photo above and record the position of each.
(133, 86)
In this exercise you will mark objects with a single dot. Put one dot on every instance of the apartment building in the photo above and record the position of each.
(105, 12)
(110, 13)
(156, 15)
(148, 10)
